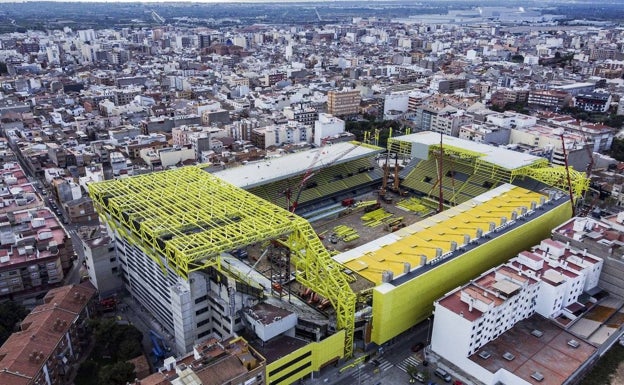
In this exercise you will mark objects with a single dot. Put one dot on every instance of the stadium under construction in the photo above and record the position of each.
(179, 236)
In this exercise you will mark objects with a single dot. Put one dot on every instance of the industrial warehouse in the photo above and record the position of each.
(191, 242)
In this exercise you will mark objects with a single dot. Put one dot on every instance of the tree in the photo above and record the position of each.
(517, 58)
(11, 313)
(120, 342)
(119, 373)
(617, 149)
(86, 372)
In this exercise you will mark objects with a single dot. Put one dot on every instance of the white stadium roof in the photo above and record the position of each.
(276, 168)
(498, 156)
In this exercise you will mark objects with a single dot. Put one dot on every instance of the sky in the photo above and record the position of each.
(185, 1)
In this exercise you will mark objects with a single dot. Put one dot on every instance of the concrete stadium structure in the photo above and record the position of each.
(174, 230)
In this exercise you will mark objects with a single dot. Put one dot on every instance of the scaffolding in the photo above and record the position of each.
(183, 219)
(539, 170)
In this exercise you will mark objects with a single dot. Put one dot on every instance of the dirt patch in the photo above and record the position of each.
(600, 313)
(616, 321)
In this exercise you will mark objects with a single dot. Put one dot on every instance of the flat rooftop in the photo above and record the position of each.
(279, 347)
(420, 241)
(269, 170)
(507, 159)
(550, 355)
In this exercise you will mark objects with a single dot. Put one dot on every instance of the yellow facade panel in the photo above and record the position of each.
(396, 309)
(300, 363)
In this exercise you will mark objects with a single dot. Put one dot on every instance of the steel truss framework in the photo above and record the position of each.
(185, 218)
(539, 170)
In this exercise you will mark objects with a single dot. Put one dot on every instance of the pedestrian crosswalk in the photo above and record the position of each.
(411, 360)
(362, 374)
(384, 364)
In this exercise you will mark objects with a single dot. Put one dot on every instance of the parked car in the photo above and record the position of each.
(443, 374)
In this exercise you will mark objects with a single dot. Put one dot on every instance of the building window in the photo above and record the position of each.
(201, 299)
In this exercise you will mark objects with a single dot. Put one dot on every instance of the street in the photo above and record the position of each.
(386, 367)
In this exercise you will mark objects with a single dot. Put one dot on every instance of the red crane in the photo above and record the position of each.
(309, 173)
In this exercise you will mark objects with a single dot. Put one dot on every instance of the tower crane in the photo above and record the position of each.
(306, 175)
(310, 173)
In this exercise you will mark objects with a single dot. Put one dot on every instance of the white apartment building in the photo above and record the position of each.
(118, 162)
(511, 120)
(277, 135)
(100, 259)
(327, 125)
(396, 101)
(449, 123)
(546, 280)
(477, 313)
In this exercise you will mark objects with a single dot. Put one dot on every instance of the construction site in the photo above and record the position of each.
(354, 241)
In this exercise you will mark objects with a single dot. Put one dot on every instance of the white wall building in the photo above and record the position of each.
(278, 135)
(327, 125)
(481, 311)
(100, 260)
(396, 101)
(511, 120)
(545, 280)
(118, 162)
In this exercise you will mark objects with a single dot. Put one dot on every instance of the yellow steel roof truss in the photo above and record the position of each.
(186, 218)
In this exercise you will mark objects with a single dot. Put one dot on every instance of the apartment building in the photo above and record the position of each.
(549, 99)
(483, 309)
(506, 95)
(34, 248)
(276, 135)
(214, 361)
(598, 237)
(474, 322)
(448, 123)
(593, 102)
(51, 339)
(327, 126)
(340, 103)
(448, 86)
(484, 133)
(307, 115)
(35, 251)
(100, 259)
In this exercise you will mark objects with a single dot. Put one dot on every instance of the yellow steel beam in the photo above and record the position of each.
(186, 217)
(462, 153)
(557, 177)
